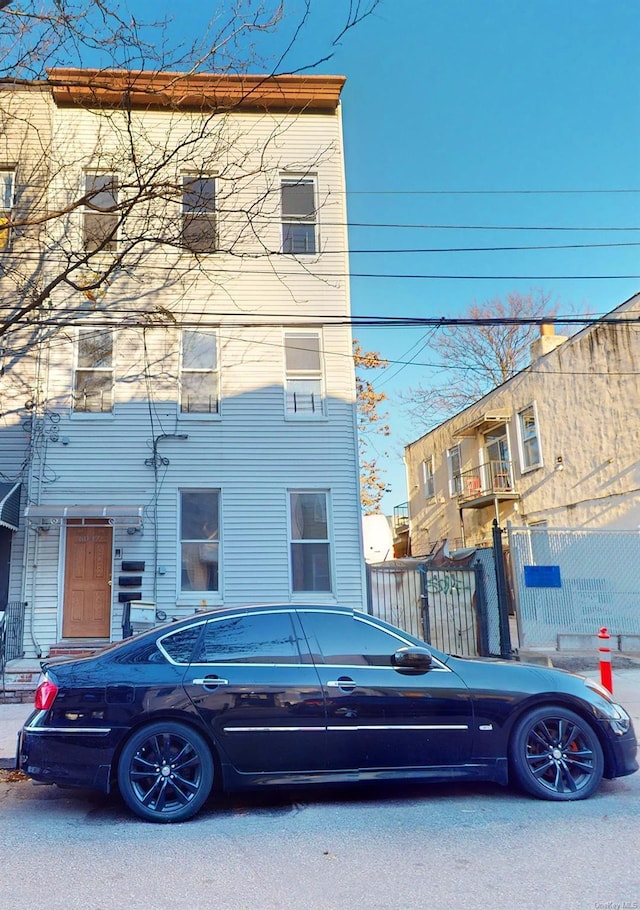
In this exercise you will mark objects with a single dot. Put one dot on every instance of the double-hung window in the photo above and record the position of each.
(93, 385)
(6, 204)
(454, 464)
(309, 541)
(199, 381)
(199, 214)
(428, 480)
(299, 215)
(200, 540)
(304, 375)
(100, 212)
(529, 438)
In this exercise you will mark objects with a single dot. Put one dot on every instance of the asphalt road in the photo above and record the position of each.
(421, 847)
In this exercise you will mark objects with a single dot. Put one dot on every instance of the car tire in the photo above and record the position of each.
(165, 772)
(556, 754)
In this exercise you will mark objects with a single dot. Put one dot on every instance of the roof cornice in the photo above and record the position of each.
(201, 92)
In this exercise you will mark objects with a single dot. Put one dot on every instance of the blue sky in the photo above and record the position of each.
(448, 106)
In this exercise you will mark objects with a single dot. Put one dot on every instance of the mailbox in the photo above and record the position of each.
(142, 612)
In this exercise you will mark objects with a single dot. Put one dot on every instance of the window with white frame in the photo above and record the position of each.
(299, 216)
(100, 212)
(428, 480)
(199, 379)
(454, 464)
(199, 214)
(304, 374)
(6, 205)
(93, 382)
(309, 541)
(200, 540)
(529, 438)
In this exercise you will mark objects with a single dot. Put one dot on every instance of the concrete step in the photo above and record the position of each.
(20, 679)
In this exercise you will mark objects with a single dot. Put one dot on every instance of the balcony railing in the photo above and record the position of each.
(401, 518)
(486, 482)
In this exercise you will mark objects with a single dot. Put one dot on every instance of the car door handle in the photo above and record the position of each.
(344, 682)
(210, 682)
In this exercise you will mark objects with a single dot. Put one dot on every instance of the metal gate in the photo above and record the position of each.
(11, 632)
(454, 615)
(445, 606)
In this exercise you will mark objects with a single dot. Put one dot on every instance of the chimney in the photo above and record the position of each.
(547, 342)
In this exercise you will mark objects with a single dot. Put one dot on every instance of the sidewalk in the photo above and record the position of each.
(626, 690)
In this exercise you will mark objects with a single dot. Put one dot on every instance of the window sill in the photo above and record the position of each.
(313, 418)
(313, 598)
(197, 415)
(193, 601)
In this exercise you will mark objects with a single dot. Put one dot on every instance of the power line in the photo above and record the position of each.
(498, 249)
(543, 192)
(124, 319)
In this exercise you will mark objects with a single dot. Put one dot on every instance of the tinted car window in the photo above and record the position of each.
(340, 639)
(146, 653)
(260, 638)
(180, 645)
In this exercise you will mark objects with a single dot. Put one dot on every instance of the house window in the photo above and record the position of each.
(303, 364)
(298, 216)
(199, 214)
(6, 204)
(93, 386)
(200, 540)
(100, 212)
(310, 553)
(498, 464)
(454, 464)
(428, 481)
(199, 375)
(529, 438)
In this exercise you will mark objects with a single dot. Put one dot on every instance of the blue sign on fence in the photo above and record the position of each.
(542, 577)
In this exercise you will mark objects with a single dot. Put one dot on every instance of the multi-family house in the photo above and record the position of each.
(556, 445)
(178, 425)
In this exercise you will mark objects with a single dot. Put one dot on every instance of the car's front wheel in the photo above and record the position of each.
(555, 754)
(165, 772)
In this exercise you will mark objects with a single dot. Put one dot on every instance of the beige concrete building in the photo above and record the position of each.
(557, 445)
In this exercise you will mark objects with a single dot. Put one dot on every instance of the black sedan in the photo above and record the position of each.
(294, 695)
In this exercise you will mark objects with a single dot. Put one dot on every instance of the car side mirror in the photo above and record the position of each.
(412, 660)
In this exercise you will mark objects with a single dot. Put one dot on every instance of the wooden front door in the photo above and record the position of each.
(87, 582)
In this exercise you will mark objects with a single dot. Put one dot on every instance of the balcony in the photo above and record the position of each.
(401, 542)
(485, 484)
(401, 518)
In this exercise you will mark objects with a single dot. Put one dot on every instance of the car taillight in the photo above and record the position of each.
(45, 695)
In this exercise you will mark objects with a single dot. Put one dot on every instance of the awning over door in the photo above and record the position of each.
(10, 505)
(129, 516)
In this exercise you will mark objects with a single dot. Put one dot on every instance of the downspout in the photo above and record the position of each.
(30, 476)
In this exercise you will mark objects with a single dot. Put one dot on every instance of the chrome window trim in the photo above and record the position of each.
(261, 612)
(220, 663)
(161, 648)
(293, 608)
(314, 666)
(365, 621)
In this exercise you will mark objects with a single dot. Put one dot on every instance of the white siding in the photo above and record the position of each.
(251, 452)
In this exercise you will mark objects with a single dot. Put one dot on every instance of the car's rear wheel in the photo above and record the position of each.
(165, 772)
(555, 754)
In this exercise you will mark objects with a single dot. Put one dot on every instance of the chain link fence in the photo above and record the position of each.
(572, 582)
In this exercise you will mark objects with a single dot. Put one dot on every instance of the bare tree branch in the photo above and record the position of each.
(476, 358)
